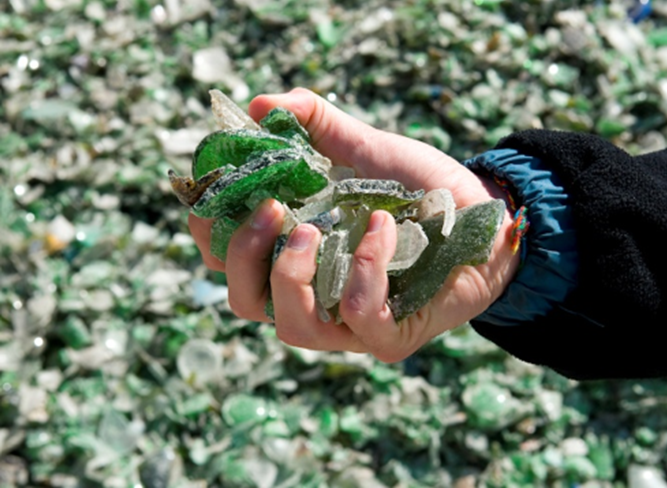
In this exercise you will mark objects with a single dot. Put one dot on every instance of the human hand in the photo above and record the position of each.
(368, 325)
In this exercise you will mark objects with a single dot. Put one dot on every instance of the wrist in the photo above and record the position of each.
(503, 263)
(547, 271)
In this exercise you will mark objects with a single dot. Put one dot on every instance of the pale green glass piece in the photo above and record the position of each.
(490, 407)
(411, 241)
(116, 432)
(221, 233)
(244, 409)
(438, 202)
(199, 361)
(333, 268)
(470, 243)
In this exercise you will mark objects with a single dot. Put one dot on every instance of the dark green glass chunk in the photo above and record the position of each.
(282, 122)
(469, 243)
(272, 173)
(375, 194)
(232, 146)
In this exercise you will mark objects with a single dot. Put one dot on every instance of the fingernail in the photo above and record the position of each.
(263, 217)
(300, 238)
(375, 223)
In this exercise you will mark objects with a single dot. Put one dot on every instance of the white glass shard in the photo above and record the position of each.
(199, 361)
(438, 202)
(289, 221)
(228, 115)
(312, 209)
(328, 279)
(411, 242)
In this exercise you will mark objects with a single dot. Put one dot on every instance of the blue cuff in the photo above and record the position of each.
(549, 270)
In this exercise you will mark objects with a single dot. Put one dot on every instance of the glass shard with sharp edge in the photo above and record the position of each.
(438, 202)
(228, 115)
(233, 147)
(470, 243)
(410, 243)
(376, 194)
(331, 273)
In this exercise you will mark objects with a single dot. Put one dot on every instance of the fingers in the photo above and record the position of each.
(364, 305)
(350, 142)
(249, 261)
(296, 319)
(201, 233)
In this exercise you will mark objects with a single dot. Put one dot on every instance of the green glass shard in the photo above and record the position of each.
(233, 147)
(270, 172)
(490, 407)
(470, 243)
(221, 234)
(376, 194)
(282, 122)
(241, 409)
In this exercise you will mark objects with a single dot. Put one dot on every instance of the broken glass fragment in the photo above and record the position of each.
(221, 233)
(438, 202)
(376, 194)
(332, 271)
(228, 115)
(232, 147)
(470, 243)
(284, 123)
(411, 241)
(227, 195)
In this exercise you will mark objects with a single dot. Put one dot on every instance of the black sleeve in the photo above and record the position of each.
(614, 325)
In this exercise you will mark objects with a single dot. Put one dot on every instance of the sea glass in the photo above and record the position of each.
(470, 243)
(245, 163)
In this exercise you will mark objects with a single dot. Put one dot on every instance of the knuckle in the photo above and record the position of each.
(283, 274)
(364, 258)
(289, 335)
(354, 307)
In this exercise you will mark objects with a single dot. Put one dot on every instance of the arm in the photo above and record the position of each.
(608, 322)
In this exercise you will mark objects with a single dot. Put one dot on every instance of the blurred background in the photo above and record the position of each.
(120, 362)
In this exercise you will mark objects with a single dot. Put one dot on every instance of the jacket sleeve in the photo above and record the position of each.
(611, 323)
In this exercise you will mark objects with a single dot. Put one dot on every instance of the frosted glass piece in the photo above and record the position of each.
(410, 243)
(438, 202)
(228, 115)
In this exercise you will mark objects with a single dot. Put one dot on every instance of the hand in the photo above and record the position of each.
(368, 322)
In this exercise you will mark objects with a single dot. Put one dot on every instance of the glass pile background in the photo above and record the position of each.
(106, 310)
